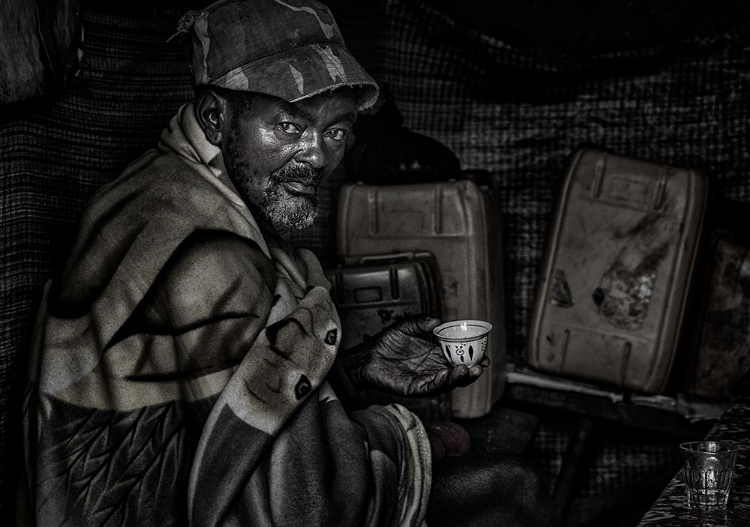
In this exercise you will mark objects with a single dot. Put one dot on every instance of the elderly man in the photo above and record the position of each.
(186, 365)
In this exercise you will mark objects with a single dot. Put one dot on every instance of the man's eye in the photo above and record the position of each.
(337, 134)
(289, 128)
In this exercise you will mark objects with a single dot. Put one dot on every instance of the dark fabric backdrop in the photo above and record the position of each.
(520, 112)
(54, 153)
(37, 47)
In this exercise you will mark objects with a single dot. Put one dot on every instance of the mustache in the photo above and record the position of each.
(299, 173)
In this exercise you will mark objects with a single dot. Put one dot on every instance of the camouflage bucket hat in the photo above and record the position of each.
(291, 49)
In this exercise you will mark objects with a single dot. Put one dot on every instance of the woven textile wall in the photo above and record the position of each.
(520, 113)
(37, 48)
(53, 155)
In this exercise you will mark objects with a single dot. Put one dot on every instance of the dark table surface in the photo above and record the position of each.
(671, 508)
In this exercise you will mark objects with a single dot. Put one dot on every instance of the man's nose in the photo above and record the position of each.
(313, 150)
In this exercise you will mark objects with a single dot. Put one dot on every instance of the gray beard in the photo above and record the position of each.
(286, 211)
(282, 209)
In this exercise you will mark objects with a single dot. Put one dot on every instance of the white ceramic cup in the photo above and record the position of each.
(463, 341)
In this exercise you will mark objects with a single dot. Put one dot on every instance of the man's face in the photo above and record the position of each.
(278, 153)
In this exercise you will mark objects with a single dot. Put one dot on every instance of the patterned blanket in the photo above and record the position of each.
(179, 373)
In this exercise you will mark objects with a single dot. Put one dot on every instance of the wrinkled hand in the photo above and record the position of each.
(401, 360)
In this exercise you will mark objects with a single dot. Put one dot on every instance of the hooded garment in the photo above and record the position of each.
(178, 374)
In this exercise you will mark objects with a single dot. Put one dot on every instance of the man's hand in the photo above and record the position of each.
(401, 360)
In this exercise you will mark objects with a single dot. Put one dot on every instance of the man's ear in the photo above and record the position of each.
(212, 112)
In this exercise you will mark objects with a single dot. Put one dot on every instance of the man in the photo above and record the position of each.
(185, 355)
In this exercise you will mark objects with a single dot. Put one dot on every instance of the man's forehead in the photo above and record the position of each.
(340, 97)
(340, 104)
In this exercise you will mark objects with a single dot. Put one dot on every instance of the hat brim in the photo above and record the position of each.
(303, 72)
